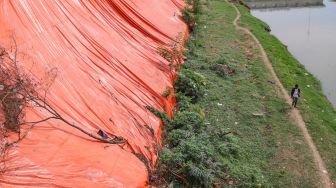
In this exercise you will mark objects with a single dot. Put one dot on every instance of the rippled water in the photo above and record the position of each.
(310, 34)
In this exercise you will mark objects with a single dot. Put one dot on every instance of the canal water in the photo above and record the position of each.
(308, 28)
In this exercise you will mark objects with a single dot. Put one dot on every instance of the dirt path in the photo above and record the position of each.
(295, 114)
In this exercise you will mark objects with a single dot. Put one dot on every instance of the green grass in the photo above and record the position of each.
(246, 138)
(318, 112)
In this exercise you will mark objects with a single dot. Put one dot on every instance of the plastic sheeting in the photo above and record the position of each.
(104, 54)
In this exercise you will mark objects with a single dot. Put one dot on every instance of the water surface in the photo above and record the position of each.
(309, 30)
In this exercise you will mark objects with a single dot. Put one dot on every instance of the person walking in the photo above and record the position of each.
(295, 94)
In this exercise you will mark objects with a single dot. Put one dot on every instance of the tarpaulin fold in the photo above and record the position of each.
(104, 56)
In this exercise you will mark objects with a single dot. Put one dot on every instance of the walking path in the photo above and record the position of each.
(295, 113)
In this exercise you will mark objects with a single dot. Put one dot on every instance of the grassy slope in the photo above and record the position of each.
(319, 114)
(271, 150)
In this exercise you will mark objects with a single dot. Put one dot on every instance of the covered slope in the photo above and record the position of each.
(104, 54)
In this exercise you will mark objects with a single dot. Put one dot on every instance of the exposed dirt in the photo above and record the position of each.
(223, 70)
(295, 113)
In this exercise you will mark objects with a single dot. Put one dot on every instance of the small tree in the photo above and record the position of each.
(18, 90)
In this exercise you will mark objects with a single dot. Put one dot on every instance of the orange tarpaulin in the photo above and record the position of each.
(104, 53)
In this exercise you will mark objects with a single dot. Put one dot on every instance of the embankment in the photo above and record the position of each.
(318, 113)
(246, 137)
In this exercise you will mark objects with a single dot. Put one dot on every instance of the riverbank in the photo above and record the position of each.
(247, 138)
(318, 113)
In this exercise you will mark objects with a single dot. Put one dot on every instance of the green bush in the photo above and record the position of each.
(189, 17)
(183, 102)
(191, 13)
(190, 153)
(167, 92)
(192, 158)
(186, 120)
(196, 6)
(190, 84)
(177, 136)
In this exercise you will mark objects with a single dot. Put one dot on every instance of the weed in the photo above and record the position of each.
(167, 92)
(223, 70)
(173, 52)
(189, 17)
(190, 84)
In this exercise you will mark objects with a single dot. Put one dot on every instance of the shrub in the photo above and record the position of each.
(163, 116)
(189, 17)
(189, 157)
(196, 6)
(177, 136)
(191, 161)
(165, 53)
(223, 70)
(167, 92)
(191, 13)
(183, 102)
(186, 120)
(190, 84)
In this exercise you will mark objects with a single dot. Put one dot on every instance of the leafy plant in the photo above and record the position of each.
(167, 92)
(190, 84)
(189, 17)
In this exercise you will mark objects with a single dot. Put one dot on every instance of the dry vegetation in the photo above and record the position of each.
(19, 91)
